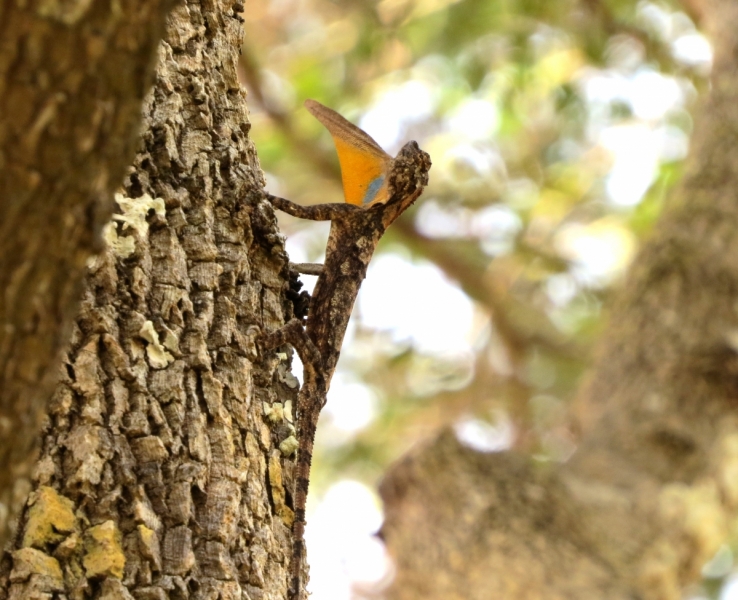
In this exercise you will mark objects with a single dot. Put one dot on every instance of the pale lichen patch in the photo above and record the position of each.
(289, 446)
(133, 215)
(104, 551)
(158, 357)
(123, 246)
(135, 211)
(50, 518)
(289, 379)
(273, 412)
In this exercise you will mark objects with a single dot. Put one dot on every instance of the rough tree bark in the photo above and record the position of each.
(652, 491)
(72, 78)
(160, 473)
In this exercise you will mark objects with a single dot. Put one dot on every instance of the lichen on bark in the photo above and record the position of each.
(160, 475)
(72, 78)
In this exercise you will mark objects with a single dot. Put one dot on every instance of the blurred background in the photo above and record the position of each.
(556, 131)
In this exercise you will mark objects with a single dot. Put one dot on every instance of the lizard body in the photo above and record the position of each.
(354, 235)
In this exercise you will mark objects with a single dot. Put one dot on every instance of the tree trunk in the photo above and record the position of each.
(160, 473)
(652, 491)
(72, 77)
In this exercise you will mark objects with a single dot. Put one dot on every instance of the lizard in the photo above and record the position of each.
(378, 189)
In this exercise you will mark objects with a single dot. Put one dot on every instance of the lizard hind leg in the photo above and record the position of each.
(294, 333)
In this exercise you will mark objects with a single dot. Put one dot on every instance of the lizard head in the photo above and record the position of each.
(408, 176)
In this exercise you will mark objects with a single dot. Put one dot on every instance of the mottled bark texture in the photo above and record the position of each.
(652, 490)
(161, 474)
(72, 77)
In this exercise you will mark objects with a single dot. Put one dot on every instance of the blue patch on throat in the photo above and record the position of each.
(373, 190)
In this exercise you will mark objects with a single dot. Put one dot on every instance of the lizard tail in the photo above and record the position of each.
(306, 439)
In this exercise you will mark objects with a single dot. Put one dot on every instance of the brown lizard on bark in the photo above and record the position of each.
(378, 189)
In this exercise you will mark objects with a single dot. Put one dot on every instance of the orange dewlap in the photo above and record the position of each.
(364, 165)
(359, 170)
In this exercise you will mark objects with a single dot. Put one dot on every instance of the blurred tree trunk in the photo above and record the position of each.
(72, 78)
(159, 475)
(652, 491)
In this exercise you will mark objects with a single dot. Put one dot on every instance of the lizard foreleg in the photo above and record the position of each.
(316, 212)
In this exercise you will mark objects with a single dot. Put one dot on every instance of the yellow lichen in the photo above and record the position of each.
(104, 551)
(50, 518)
